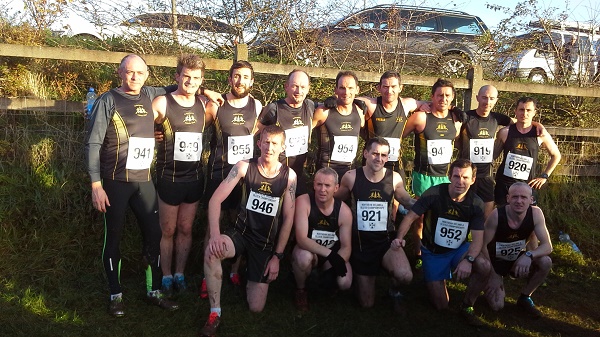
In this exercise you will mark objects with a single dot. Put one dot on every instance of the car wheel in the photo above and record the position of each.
(454, 65)
(538, 76)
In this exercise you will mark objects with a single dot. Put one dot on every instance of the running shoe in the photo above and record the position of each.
(203, 290)
(160, 300)
(470, 317)
(167, 286)
(235, 279)
(526, 303)
(116, 307)
(210, 327)
(302, 300)
(180, 285)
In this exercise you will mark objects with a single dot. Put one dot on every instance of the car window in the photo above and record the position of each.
(461, 25)
(375, 19)
(419, 21)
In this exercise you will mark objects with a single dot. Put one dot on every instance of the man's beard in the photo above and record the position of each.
(240, 94)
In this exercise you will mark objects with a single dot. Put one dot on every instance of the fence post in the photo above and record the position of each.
(475, 77)
(240, 52)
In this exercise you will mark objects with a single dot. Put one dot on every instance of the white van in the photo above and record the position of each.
(565, 51)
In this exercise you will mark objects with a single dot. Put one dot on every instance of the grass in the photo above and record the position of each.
(52, 282)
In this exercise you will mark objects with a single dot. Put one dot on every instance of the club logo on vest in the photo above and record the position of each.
(346, 126)
(238, 119)
(399, 119)
(380, 119)
(265, 188)
(140, 110)
(323, 222)
(375, 194)
(521, 146)
(441, 127)
(189, 118)
(297, 122)
(452, 212)
(513, 236)
(484, 133)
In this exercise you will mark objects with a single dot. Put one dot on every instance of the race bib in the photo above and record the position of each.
(296, 141)
(482, 150)
(239, 148)
(394, 148)
(188, 146)
(263, 204)
(450, 233)
(344, 148)
(140, 153)
(518, 166)
(324, 238)
(439, 151)
(372, 216)
(509, 251)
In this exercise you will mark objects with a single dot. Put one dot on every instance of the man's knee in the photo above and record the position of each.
(482, 266)
(402, 275)
(302, 259)
(544, 263)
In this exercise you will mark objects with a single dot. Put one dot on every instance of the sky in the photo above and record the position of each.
(578, 10)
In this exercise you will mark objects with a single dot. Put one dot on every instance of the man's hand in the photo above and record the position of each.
(521, 266)
(360, 104)
(337, 263)
(330, 102)
(159, 135)
(537, 183)
(214, 96)
(459, 115)
(463, 270)
(397, 244)
(218, 246)
(272, 270)
(99, 197)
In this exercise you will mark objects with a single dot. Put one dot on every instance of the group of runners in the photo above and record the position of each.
(343, 218)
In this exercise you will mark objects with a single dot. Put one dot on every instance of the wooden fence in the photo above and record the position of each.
(580, 147)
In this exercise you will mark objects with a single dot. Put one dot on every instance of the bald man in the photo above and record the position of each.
(119, 152)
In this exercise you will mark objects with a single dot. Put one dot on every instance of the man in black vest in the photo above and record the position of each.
(119, 152)
(511, 245)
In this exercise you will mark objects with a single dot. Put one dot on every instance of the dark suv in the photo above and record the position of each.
(396, 36)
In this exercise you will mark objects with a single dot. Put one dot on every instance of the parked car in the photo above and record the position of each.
(450, 39)
(567, 51)
(202, 33)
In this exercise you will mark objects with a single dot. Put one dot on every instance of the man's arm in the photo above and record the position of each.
(404, 227)
(540, 231)
(266, 117)
(210, 112)
(400, 192)
(319, 116)
(345, 231)
(99, 121)
(288, 210)
(415, 123)
(371, 103)
(491, 224)
(499, 142)
(555, 156)
(346, 185)
(216, 242)
(159, 106)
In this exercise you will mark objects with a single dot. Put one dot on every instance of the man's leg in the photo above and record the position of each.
(542, 266)
(185, 220)
(477, 280)
(256, 295)
(303, 262)
(168, 224)
(438, 293)
(396, 263)
(494, 291)
(365, 290)
(213, 272)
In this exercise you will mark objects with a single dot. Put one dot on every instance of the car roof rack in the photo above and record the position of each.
(571, 26)
(432, 9)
